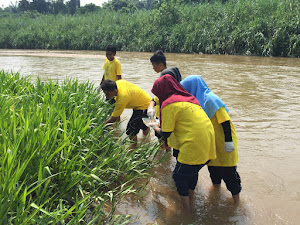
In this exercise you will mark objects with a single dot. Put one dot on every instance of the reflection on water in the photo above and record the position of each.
(263, 97)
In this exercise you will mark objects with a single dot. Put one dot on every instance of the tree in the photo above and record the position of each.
(59, 7)
(88, 8)
(40, 6)
(73, 5)
(124, 5)
(24, 5)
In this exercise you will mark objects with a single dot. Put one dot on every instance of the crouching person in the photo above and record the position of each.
(128, 95)
(188, 129)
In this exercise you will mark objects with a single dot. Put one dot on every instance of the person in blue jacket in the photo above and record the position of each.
(225, 165)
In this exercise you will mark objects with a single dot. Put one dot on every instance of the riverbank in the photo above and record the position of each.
(260, 28)
(59, 164)
(263, 111)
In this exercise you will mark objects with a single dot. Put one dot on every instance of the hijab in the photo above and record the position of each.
(173, 71)
(209, 101)
(169, 90)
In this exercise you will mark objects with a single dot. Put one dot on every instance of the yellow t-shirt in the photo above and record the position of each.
(223, 158)
(192, 132)
(112, 69)
(157, 107)
(130, 96)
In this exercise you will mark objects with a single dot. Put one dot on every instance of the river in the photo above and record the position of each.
(263, 98)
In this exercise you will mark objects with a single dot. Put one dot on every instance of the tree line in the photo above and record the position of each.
(243, 27)
(71, 6)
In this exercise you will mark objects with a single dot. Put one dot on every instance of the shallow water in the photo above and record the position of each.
(262, 95)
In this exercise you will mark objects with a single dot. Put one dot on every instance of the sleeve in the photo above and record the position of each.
(118, 68)
(222, 115)
(156, 100)
(167, 119)
(227, 130)
(119, 107)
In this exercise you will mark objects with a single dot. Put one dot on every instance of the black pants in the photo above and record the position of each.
(135, 124)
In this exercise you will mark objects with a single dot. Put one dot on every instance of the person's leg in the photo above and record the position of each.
(194, 180)
(215, 176)
(132, 128)
(185, 201)
(233, 182)
(217, 186)
(133, 141)
(181, 179)
(191, 195)
(185, 178)
(236, 198)
(142, 126)
(146, 132)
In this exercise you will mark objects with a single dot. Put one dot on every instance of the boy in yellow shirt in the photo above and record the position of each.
(159, 64)
(225, 165)
(128, 95)
(112, 66)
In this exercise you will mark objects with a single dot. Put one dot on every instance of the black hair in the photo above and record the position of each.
(109, 85)
(159, 57)
(111, 48)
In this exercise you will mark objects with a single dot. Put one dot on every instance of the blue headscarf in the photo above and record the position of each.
(210, 102)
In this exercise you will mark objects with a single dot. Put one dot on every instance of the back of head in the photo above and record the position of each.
(109, 85)
(195, 85)
(159, 57)
(111, 48)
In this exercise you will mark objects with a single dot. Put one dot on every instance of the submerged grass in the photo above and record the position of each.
(58, 163)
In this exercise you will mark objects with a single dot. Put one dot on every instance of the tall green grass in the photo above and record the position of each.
(58, 162)
(246, 27)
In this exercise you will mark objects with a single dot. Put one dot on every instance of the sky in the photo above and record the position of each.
(6, 3)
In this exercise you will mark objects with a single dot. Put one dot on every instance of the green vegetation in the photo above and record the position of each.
(246, 27)
(58, 164)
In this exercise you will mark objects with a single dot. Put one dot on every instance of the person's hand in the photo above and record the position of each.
(151, 112)
(153, 125)
(229, 147)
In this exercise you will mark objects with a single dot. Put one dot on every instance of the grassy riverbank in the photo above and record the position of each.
(261, 27)
(58, 164)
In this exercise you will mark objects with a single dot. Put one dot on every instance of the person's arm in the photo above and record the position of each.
(228, 146)
(152, 103)
(118, 71)
(164, 135)
(151, 109)
(227, 131)
(102, 80)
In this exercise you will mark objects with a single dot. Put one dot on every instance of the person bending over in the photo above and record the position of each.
(128, 95)
(224, 167)
(187, 128)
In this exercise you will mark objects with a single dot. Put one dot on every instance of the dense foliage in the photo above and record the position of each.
(58, 163)
(261, 27)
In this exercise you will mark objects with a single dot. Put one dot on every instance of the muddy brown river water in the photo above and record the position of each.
(263, 98)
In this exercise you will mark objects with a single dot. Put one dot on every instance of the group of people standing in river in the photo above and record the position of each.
(194, 122)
